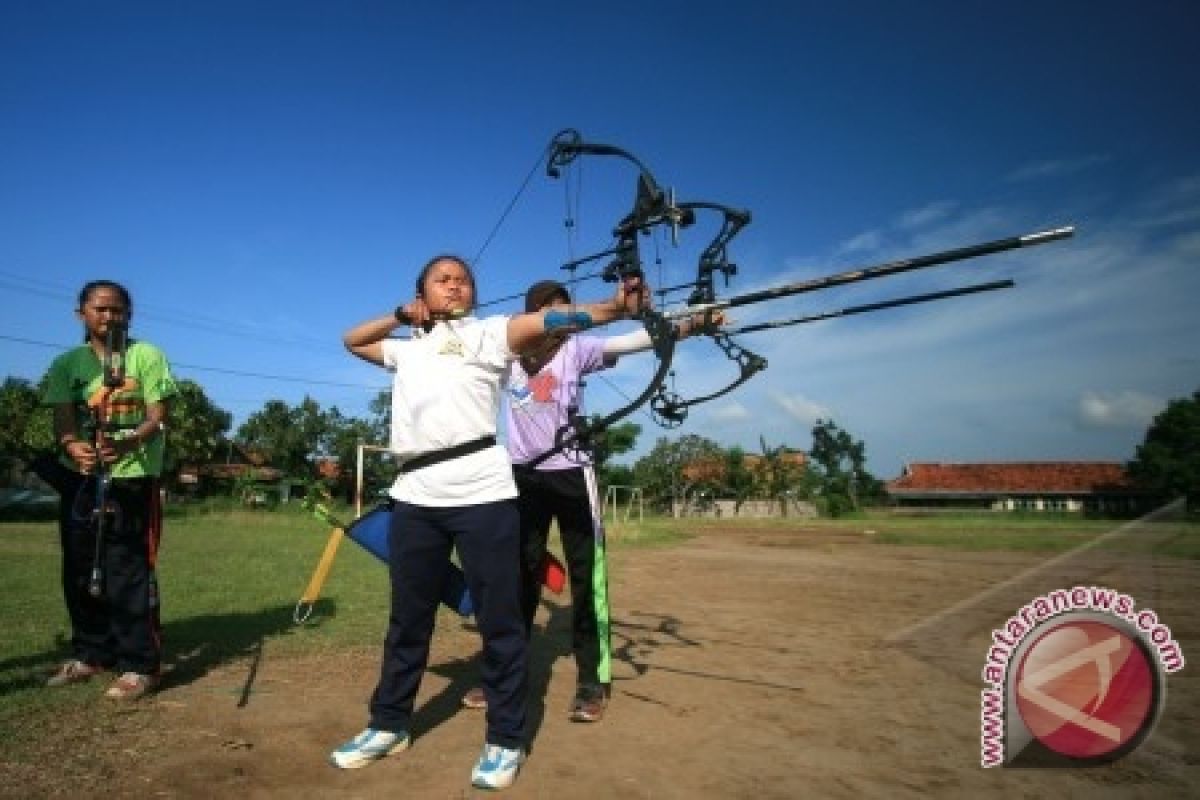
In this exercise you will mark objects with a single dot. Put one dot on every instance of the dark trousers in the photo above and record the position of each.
(488, 543)
(568, 497)
(120, 629)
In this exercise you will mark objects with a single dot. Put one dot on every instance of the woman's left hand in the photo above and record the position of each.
(704, 322)
(113, 450)
(633, 294)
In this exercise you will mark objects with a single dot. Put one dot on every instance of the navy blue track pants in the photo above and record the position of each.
(487, 537)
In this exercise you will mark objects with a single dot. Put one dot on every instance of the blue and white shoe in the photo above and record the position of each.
(497, 767)
(369, 746)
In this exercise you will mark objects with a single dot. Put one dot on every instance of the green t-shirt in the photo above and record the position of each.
(77, 377)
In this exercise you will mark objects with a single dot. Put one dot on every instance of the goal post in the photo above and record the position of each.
(612, 500)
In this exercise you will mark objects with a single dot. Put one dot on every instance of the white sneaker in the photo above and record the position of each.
(73, 671)
(497, 767)
(131, 686)
(369, 746)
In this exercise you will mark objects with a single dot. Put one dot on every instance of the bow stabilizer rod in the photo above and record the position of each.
(881, 270)
(879, 306)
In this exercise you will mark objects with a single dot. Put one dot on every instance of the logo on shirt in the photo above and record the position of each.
(520, 395)
(451, 347)
(542, 387)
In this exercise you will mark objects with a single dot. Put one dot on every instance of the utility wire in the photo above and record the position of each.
(222, 370)
(508, 209)
(160, 314)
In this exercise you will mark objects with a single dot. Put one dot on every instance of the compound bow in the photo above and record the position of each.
(652, 207)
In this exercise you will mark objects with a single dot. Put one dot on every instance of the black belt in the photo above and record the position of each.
(438, 456)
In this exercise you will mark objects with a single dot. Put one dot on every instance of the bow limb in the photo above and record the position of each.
(670, 410)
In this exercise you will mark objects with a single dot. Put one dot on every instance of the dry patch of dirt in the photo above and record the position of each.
(764, 666)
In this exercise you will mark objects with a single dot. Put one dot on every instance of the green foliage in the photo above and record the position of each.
(196, 427)
(248, 489)
(342, 436)
(1168, 461)
(844, 483)
(615, 475)
(26, 426)
(614, 441)
(739, 478)
(779, 477)
(289, 438)
(660, 473)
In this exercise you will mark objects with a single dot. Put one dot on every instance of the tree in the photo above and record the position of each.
(660, 473)
(288, 437)
(196, 427)
(1168, 460)
(381, 407)
(344, 434)
(26, 426)
(739, 478)
(781, 478)
(616, 475)
(841, 460)
(615, 441)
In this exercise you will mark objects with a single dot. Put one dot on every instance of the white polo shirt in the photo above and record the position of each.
(446, 389)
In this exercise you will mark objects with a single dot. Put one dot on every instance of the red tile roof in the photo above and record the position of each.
(1029, 476)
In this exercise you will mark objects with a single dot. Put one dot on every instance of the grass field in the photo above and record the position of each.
(231, 580)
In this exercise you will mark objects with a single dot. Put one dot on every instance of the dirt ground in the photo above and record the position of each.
(768, 665)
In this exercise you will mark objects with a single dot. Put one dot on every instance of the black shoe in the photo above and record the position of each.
(589, 703)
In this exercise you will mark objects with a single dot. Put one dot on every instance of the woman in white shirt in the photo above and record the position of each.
(456, 491)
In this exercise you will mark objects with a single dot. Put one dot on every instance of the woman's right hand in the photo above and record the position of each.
(83, 454)
(415, 313)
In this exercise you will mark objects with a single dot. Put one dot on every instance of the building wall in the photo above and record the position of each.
(752, 509)
(1026, 503)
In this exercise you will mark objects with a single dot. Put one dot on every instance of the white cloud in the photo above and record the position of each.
(801, 408)
(730, 412)
(1173, 204)
(926, 215)
(863, 242)
(1127, 409)
(1055, 168)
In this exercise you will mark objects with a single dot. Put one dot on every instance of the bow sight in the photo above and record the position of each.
(651, 205)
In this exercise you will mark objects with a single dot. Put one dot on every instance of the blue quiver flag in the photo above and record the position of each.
(371, 532)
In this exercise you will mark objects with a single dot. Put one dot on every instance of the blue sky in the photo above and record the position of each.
(264, 175)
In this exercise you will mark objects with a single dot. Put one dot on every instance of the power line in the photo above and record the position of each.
(221, 370)
(161, 314)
